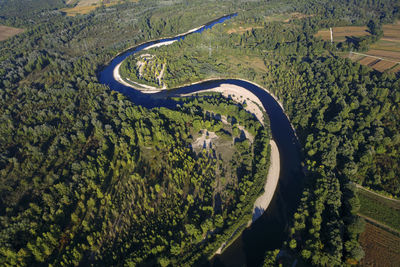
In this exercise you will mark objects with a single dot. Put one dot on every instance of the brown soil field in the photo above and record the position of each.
(383, 65)
(340, 33)
(396, 69)
(367, 61)
(241, 29)
(386, 45)
(86, 6)
(7, 32)
(392, 32)
(381, 247)
(391, 55)
(372, 64)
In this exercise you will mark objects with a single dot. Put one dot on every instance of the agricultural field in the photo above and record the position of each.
(7, 32)
(383, 210)
(381, 247)
(82, 7)
(382, 55)
(340, 33)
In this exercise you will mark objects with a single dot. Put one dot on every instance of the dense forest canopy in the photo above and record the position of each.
(86, 177)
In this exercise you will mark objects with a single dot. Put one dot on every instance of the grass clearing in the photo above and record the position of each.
(241, 29)
(79, 10)
(8, 32)
(286, 17)
(381, 248)
(380, 209)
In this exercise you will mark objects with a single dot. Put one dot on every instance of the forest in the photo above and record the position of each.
(87, 177)
(346, 116)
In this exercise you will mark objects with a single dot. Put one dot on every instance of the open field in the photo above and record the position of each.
(391, 32)
(391, 55)
(86, 6)
(79, 10)
(368, 61)
(381, 248)
(383, 55)
(340, 33)
(7, 32)
(386, 45)
(387, 49)
(240, 29)
(383, 65)
(396, 69)
(381, 209)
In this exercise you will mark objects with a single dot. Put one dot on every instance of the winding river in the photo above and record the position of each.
(270, 230)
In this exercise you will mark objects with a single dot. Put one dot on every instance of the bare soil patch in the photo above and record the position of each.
(8, 32)
(86, 6)
(392, 31)
(204, 141)
(381, 247)
(396, 69)
(393, 55)
(367, 60)
(383, 65)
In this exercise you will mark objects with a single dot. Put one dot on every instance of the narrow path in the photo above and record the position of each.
(377, 194)
(366, 55)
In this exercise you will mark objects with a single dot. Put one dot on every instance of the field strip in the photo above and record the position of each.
(390, 40)
(398, 62)
(379, 224)
(377, 194)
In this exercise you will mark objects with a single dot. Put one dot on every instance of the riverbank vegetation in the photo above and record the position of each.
(89, 178)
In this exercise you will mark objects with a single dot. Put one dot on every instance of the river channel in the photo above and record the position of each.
(270, 230)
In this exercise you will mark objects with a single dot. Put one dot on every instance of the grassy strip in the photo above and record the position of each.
(382, 210)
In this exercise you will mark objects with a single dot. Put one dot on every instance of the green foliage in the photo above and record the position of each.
(88, 178)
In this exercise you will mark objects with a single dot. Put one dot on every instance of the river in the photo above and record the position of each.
(270, 230)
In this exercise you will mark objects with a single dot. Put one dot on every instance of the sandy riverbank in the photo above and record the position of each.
(263, 201)
(240, 95)
(145, 88)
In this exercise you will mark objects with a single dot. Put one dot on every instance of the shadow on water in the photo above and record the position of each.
(270, 230)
